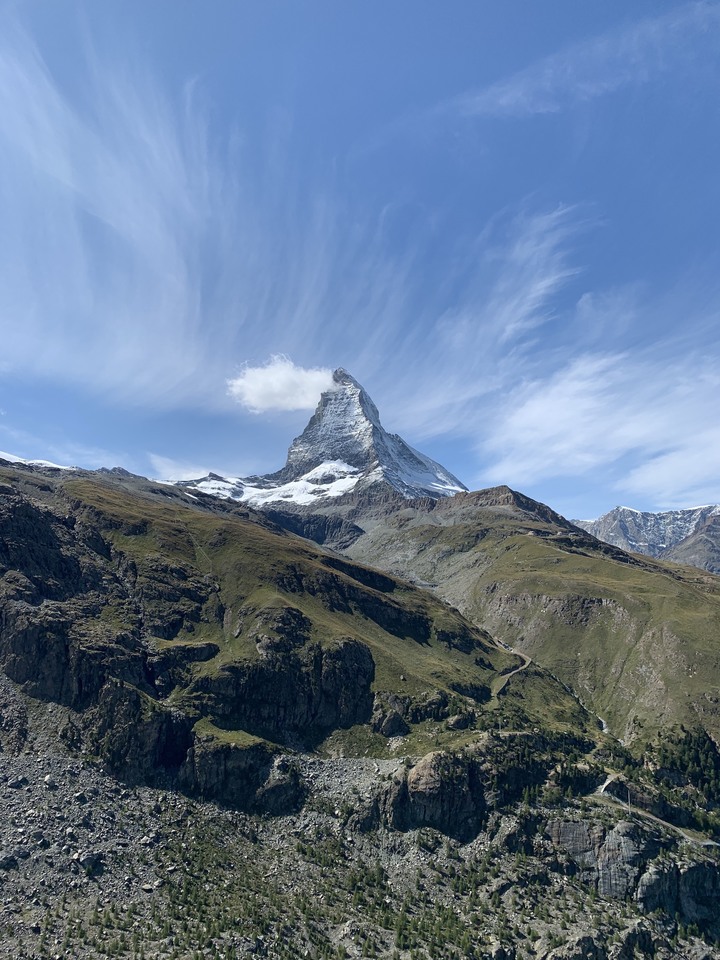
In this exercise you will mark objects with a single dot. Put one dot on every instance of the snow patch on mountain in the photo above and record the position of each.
(11, 458)
(328, 480)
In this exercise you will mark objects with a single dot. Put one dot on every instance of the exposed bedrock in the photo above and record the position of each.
(293, 694)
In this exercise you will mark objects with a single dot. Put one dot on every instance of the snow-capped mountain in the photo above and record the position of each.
(344, 449)
(655, 534)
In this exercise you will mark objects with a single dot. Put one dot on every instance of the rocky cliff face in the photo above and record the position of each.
(623, 862)
(701, 548)
(293, 697)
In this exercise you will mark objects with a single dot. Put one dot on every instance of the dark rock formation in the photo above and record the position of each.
(291, 695)
(139, 739)
(444, 791)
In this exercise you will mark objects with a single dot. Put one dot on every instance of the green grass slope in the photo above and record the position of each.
(637, 639)
(233, 618)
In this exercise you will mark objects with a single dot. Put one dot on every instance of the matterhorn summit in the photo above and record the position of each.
(343, 449)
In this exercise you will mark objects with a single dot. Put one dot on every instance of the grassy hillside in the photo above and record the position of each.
(254, 634)
(637, 639)
(385, 779)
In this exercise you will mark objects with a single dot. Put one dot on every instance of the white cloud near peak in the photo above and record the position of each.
(279, 385)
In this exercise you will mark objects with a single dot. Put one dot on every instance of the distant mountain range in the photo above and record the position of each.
(684, 536)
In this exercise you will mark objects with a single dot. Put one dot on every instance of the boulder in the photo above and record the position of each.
(443, 791)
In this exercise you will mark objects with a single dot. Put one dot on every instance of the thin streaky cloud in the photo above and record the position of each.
(599, 66)
(682, 476)
(601, 408)
(168, 468)
(488, 337)
(124, 235)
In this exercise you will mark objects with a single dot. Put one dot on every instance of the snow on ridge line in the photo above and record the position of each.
(654, 513)
(11, 458)
(328, 480)
(330, 467)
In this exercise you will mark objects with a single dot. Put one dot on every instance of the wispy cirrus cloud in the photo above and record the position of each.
(646, 417)
(168, 468)
(109, 212)
(145, 260)
(681, 476)
(492, 329)
(631, 54)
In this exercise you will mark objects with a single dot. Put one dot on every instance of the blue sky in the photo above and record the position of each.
(502, 218)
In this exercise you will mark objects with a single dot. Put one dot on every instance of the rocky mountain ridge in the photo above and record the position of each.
(685, 536)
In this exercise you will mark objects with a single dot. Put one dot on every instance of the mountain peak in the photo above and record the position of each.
(655, 534)
(342, 377)
(343, 449)
(345, 430)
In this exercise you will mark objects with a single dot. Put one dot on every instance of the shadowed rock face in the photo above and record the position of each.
(31, 547)
(690, 890)
(443, 791)
(446, 792)
(293, 695)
